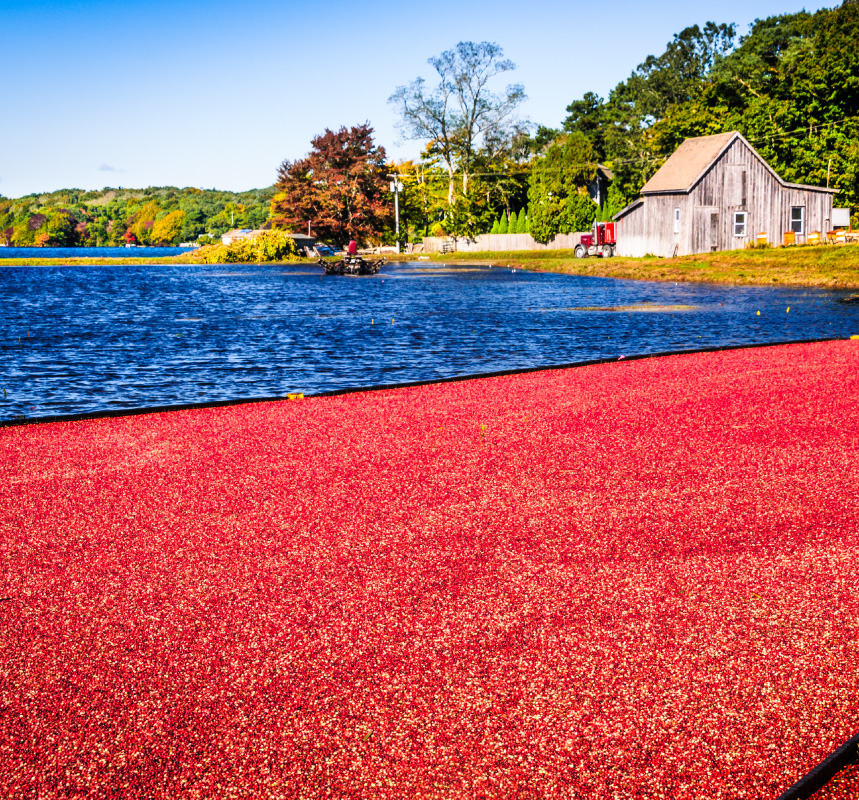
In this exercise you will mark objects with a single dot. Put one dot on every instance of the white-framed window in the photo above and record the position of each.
(740, 219)
(797, 219)
(676, 220)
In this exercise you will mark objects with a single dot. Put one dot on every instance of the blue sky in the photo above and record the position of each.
(216, 94)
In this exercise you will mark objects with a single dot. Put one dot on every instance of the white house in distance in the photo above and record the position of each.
(717, 193)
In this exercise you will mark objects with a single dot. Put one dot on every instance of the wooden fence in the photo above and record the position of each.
(499, 242)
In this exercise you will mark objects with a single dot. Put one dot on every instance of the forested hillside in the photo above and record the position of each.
(154, 216)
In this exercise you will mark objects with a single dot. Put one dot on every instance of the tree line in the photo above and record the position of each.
(115, 217)
(790, 86)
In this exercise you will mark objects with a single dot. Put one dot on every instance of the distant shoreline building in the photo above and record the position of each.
(717, 193)
(240, 233)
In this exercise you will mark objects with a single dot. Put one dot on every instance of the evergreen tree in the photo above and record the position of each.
(520, 222)
(502, 225)
(494, 227)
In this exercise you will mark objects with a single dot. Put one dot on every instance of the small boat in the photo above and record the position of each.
(352, 265)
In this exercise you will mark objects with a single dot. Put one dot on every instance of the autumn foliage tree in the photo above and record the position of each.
(168, 229)
(340, 188)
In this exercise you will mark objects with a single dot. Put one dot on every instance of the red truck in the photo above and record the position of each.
(601, 242)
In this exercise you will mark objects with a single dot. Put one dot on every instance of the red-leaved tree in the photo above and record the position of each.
(340, 188)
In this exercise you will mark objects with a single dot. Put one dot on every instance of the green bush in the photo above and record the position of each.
(494, 227)
(268, 246)
(502, 225)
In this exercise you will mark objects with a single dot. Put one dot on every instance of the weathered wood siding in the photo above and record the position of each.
(738, 181)
(648, 229)
(500, 242)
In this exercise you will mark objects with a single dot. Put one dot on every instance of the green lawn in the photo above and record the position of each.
(823, 265)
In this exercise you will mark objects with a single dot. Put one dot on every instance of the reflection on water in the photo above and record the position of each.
(78, 339)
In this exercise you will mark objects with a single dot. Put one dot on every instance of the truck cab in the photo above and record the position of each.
(601, 241)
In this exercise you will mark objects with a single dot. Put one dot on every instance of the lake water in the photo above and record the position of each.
(90, 252)
(76, 339)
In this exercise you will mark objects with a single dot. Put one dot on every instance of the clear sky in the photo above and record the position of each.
(216, 94)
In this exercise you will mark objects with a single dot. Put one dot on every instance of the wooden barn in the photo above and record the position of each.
(717, 193)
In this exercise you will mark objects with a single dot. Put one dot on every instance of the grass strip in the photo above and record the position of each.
(833, 266)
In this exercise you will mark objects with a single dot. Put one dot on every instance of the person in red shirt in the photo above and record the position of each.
(352, 249)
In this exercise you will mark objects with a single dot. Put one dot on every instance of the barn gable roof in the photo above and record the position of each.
(688, 163)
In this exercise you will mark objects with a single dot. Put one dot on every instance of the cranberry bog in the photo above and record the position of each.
(629, 580)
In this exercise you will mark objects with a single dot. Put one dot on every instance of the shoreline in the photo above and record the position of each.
(164, 409)
(823, 266)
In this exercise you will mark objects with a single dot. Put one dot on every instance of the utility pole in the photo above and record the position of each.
(396, 188)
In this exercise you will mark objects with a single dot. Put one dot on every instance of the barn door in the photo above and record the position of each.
(714, 232)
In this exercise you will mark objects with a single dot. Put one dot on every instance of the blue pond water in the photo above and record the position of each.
(89, 252)
(103, 338)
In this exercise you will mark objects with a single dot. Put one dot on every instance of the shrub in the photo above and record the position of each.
(502, 225)
(494, 227)
(268, 246)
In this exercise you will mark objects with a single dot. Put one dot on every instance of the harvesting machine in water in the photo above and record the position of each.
(352, 265)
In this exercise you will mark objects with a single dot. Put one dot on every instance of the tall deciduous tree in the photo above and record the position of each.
(558, 200)
(461, 111)
(340, 189)
(468, 215)
(167, 230)
(142, 222)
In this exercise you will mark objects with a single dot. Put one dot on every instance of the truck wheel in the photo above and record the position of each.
(580, 251)
(606, 251)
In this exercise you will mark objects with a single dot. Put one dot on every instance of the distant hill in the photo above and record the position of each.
(158, 215)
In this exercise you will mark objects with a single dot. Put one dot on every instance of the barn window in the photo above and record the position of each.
(797, 219)
(740, 223)
(676, 220)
